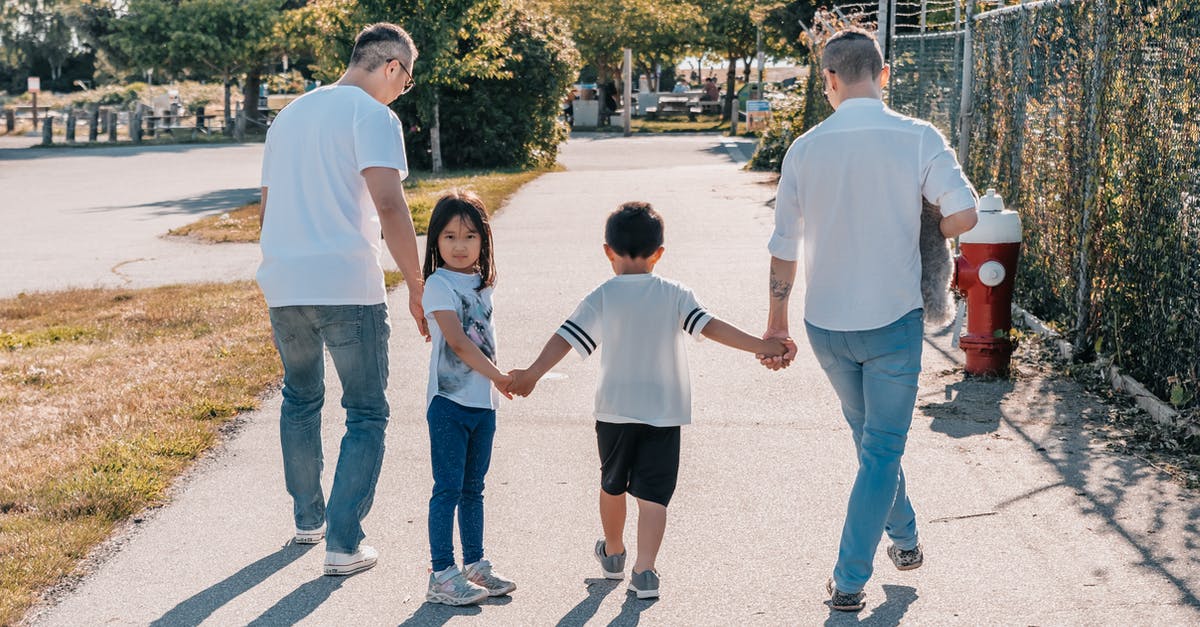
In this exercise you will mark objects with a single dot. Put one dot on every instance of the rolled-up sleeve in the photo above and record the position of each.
(785, 241)
(943, 182)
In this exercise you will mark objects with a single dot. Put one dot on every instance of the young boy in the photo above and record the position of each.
(645, 389)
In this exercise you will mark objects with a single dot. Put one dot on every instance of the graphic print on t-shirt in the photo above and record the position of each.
(476, 316)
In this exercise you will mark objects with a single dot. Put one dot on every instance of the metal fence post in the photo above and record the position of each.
(965, 104)
(1095, 84)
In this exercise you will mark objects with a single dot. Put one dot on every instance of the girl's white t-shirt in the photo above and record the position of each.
(449, 377)
(641, 320)
(321, 234)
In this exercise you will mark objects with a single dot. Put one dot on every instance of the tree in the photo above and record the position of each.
(202, 38)
(732, 33)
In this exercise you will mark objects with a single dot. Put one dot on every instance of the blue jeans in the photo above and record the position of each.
(357, 338)
(875, 376)
(460, 446)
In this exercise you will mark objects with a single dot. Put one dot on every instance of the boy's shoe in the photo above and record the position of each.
(645, 584)
(844, 601)
(309, 536)
(481, 574)
(454, 590)
(906, 560)
(613, 566)
(338, 564)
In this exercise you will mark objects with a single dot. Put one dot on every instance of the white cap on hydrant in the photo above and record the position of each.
(997, 225)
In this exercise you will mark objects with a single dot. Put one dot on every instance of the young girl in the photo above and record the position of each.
(459, 274)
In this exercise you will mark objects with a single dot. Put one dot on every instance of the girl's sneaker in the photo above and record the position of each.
(480, 573)
(454, 589)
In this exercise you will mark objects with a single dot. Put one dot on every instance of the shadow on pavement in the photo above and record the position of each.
(890, 612)
(631, 611)
(972, 407)
(436, 614)
(31, 153)
(583, 611)
(1102, 482)
(221, 199)
(198, 607)
(300, 602)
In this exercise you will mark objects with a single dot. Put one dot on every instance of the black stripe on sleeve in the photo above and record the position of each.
(695, 321)
(577, 338)
(586, 337)
(688, 321)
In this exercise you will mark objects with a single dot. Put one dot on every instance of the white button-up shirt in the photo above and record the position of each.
(850, 190)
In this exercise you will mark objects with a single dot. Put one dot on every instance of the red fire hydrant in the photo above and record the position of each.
(984, 273)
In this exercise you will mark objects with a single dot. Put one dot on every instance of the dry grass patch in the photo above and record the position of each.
(106, 395)
(423, 190)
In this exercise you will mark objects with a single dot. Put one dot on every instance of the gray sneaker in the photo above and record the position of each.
(481, 574)
(454, 590)
(645, 584)
(844, 601)
(906, 560)
(612, 565)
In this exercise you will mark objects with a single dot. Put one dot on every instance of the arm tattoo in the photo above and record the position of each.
(780, 289)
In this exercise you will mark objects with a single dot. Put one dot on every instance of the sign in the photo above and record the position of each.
(758, 115)
(757, 105)
(35, 84)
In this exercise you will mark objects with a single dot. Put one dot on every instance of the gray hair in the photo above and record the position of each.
(854, 55)
(378, 43)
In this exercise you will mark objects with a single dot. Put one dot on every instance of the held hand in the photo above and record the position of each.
(786, 347)
(523, 382)
(504, 384)
(418, 311)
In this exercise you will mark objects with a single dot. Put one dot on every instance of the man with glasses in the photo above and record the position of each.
(850, 191)
(332, 177)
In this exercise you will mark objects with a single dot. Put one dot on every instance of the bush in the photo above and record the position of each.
(787, 123)
(510, 122)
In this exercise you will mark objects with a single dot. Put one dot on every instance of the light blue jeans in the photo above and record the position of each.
(875, 374)
(357, 339)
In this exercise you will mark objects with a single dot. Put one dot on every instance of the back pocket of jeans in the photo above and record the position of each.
(341, 325)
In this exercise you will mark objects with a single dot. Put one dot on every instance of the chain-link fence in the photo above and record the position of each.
(1084, 115)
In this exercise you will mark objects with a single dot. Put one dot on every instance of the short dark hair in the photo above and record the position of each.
(854, 55)
(470, 208)
(634, 230)
(379, 42)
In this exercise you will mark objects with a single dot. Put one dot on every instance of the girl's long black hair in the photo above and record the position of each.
(468, 206)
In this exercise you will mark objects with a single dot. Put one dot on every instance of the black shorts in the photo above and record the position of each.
(639, 459)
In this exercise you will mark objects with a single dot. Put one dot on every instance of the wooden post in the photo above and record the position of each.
(103, 121)
(35, 120)
(112, 125)
(200, 119)
(48, 130)
(71, 119)
(149, 123)
(135, 125)
(10, 120)
(93, 124)
(627, 96)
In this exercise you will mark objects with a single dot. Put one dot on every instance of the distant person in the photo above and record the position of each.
(681, 87)
(332, 177)
(462, 396)
(850, 197)
(644, 394)
(711, 91)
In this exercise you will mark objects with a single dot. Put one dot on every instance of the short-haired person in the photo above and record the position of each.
(850, 195)
(332, 176)
(645, 388)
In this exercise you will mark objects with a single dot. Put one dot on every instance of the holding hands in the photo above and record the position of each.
(780, 350)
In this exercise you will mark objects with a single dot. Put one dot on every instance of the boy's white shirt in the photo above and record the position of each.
(638, 322)
(449, 376)
(321, 235)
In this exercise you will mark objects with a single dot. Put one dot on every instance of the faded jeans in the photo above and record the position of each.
(460, 442)
(357, 339)
(874, 373)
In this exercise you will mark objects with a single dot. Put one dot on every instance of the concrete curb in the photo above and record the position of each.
(1161, 412)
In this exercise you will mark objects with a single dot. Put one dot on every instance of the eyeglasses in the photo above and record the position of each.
(408, 85)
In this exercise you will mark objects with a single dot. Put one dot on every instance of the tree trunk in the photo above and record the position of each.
(435, 136)
(730, 90)
(228, 120)
(250, 93)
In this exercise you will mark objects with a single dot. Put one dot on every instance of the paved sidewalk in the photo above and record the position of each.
(1025, 517)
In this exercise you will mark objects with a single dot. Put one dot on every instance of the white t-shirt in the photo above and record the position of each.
(641, 319)
(449, 377)
(321, 235)
(850, 189)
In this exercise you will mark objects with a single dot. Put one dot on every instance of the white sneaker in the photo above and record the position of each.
(309, 536)
(350, 563)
